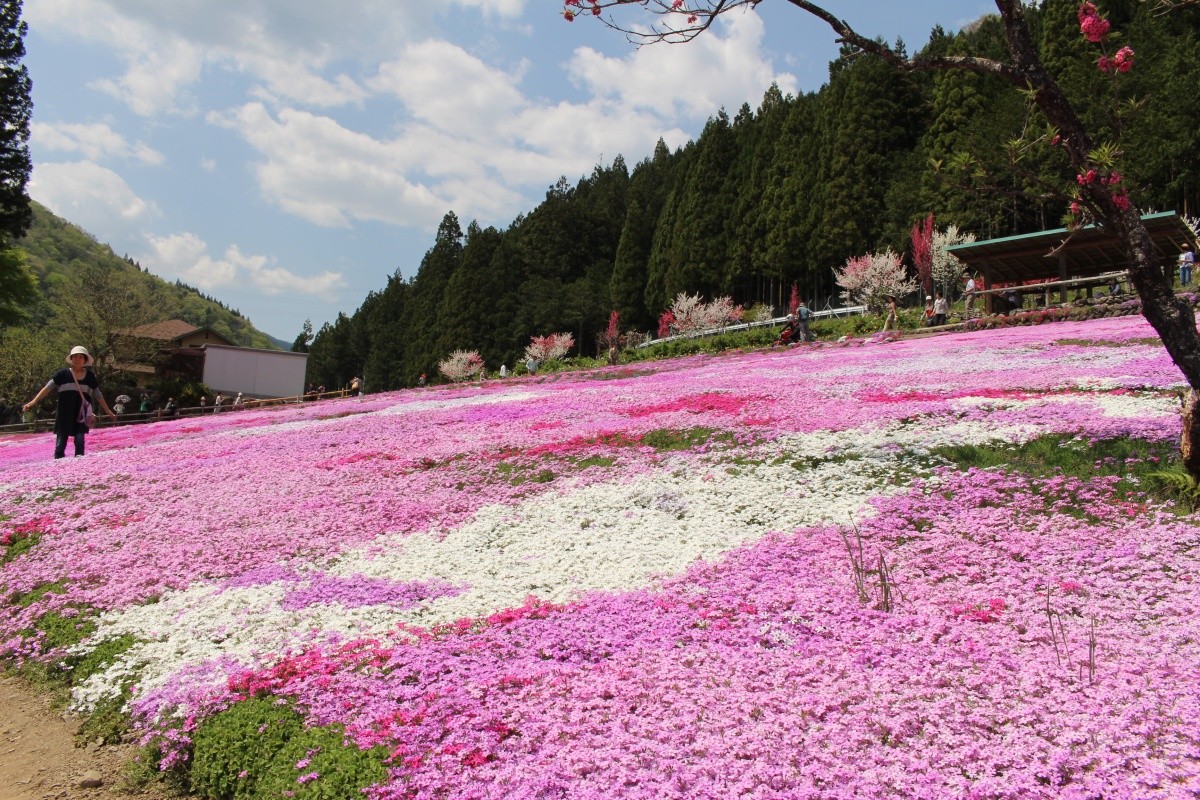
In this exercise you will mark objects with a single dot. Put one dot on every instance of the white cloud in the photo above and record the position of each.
(94, 142)
(185, 256)
(695, 80)
(285, 46)
(91, 196)
(328, 174)
(472, 141)
(442, 84)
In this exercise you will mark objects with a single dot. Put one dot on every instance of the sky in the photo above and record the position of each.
(287, 156)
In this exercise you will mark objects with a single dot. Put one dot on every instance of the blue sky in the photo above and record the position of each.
(286, 157)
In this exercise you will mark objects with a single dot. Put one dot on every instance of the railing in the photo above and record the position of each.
(41, 424)
(765, 323)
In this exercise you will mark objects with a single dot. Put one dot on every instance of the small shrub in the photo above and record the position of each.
(1177, 484)
(260, 748)
(231, 750)
(335, 768)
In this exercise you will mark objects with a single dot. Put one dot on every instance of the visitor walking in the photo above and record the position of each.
(890, 319)
(78, 391)
(1187, 260)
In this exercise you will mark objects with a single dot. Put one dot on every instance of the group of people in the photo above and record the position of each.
(796, 328)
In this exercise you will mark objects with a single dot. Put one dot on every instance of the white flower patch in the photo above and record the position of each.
(614, 536)
(1118, 406)
(459, 402)
(881, 445)
(1123, 406)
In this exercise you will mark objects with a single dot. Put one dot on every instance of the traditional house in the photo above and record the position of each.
(169, 349)
(177, 349)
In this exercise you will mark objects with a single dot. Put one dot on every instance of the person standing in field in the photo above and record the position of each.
(803, 315)
(78, 390)
(1187, 260)
(941, 309)
(969, 296)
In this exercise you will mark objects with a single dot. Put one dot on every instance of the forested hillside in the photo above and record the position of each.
(86, 292)
(779, 195)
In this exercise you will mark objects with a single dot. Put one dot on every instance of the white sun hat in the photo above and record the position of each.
(80, 350)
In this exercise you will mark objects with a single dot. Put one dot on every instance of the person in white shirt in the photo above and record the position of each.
(941, 309)
(1187, 260)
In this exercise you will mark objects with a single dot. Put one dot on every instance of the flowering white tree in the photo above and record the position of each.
(690, 314)
(946, 266)
(549, 348)
(870, 279)
(461, 365)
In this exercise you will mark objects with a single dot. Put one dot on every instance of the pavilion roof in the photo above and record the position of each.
(1062, 253)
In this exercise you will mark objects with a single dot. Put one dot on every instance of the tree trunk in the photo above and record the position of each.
(1189, 445)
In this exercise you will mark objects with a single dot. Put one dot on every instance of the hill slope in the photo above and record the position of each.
(60, 254)
(769, 574)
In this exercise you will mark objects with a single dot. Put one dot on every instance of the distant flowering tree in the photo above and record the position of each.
(944, 266)
(794, 300)
(666, 324)
(870, 279)
(461, 365)
(611, 336)
(549, 348)
(689, 313)
(922, 250)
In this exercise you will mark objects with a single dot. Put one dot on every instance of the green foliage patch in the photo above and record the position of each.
(253, 749)
(19, 547)
(1134, 462)
(670, 439)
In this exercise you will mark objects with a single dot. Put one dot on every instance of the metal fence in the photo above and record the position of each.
(765, 323)
(34, 424)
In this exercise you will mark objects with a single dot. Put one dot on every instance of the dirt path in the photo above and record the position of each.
(39, 759)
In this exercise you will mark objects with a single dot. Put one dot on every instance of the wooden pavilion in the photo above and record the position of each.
(1084, 257)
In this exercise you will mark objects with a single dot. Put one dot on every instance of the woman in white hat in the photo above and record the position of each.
(78, 390)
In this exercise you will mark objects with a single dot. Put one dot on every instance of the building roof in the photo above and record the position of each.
(167, 331)
(1061, 253)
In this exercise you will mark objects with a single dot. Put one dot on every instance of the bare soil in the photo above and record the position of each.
(40, 758)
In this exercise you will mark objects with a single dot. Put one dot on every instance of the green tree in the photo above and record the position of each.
(304, 339)
(16, 108)
(648, 189)
(422, 339)
(17, 287)
(699, 244)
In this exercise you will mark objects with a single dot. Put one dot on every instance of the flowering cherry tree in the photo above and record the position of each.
(1101, 196)
(945, 266)
(869, 280)
(689, 313)
(549, 348)
(461, 365)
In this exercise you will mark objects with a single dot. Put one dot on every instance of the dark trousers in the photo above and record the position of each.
(60, 444)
